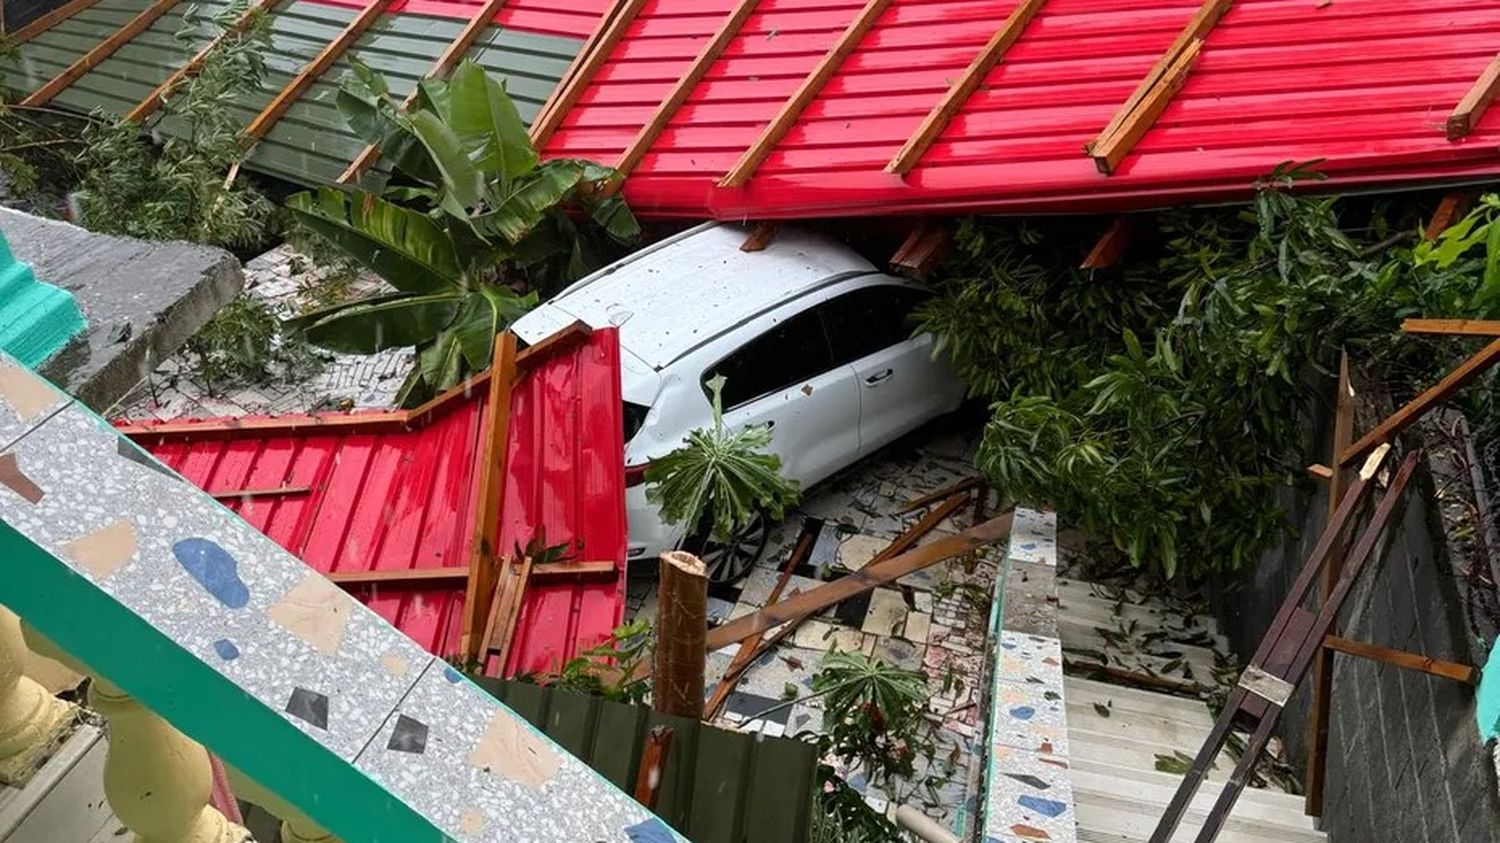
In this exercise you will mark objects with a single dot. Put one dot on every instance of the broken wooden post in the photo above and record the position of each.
(681, 628)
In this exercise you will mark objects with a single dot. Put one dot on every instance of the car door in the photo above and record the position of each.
(900, 384)
(782, 373)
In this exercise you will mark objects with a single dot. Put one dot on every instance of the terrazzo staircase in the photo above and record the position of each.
(1118, 734)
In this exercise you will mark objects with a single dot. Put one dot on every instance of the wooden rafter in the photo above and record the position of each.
(728, 29)
(1472, 107)
(596, 51)
(293, 91)
(958, 93)
(922, 250)
(455, 51)
(811, 85)
(98, 53)
(1464, 673)
(158, 96)
(49, 20)
(1150, 98)
(1449, 211)
(1460, 327)
(484, 552)
(1111, 244)
(1418, 407)
(760, 237)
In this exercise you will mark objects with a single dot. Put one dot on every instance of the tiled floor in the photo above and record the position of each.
(933, 621)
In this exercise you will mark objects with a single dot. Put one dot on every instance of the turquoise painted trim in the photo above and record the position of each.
(36, 319)
(1488, 707)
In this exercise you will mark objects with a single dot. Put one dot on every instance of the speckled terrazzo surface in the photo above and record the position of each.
(254, 616)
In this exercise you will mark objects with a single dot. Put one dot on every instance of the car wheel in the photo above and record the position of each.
(732, 560)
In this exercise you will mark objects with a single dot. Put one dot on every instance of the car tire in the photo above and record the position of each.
(731, 561)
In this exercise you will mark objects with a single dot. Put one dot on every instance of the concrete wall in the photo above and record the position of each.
(1405, 758)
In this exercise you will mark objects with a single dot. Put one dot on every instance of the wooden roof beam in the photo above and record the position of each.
(600, 46)
(1472, 107)
(314, 70)
(922, 250)
(452, 54)
(98, 53)
(49, 20)
(958, 93)
(158, 96)
(761, 236)
(1151, 97)
(811, 85)
(1111, 244)
(1461, 327)
(1449, 211)
(728, 29)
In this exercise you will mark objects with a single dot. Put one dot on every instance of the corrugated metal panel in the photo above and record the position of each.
(718, 786)
(17, 13)
(564, 483)
(380, 500)
(1365, 84)
(383, 497)
(576, 19)
(311, 144)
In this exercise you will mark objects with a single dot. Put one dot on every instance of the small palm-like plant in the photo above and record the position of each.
(726, 475)
(472, 224)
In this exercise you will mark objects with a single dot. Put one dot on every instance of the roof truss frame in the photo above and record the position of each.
(158, 96)
(1475, 102)
(98, 53)
(595, 53)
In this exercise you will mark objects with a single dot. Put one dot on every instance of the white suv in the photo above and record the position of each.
(810, 337)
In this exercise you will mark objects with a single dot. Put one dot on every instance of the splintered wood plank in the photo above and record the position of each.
(867, 578)
(277, 107)
(922, 250)
(932, 126)
(728, 29)
(101, 51)
(1472, 107)
(1135, 115)
(760, 237)
(49, 20)
(811, 86)
(1418, 407)
(452, 54)
(158, 96)
(595, 53)
(484, 565)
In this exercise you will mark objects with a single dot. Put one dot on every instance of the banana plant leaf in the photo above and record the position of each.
(372, 325)
(481, 112)
(406, 248)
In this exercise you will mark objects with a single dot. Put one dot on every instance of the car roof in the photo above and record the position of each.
(668, 299)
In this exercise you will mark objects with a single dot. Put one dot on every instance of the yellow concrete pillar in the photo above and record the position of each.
(32, 721)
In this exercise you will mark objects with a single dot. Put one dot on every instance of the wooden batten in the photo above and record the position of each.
(728, 29)
(1449, 211)
(1464, 673)
(49, 20)
(760, 237)
(595, 53)
(792, 109)
(277, 107)
(484, 553)
(452, 54)
(1415, 409)
(158, 96)
(1150, 98)
(101, 51)
(1472, 107)
(958, 93)
(1459, 327)
(1111, 245)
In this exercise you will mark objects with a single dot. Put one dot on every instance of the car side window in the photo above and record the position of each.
(793, 351)
(864, 321)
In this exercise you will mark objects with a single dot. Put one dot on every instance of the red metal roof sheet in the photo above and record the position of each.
(384, 496)
(1364, 84)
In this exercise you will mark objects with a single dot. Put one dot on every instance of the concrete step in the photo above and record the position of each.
(1162, 657)
(1120, 805)
(1087, 602)
(64, 801)
(1122, 697)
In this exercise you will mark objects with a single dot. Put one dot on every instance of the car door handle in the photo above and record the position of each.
(879, 377)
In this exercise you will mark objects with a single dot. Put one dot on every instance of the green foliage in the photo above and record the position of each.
(243, 343)
(841, 815)
(1165, 404)
(873, 713)
(37, 149)
(473, 225)
(185, 189)
(724, 474)
(612, 670)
